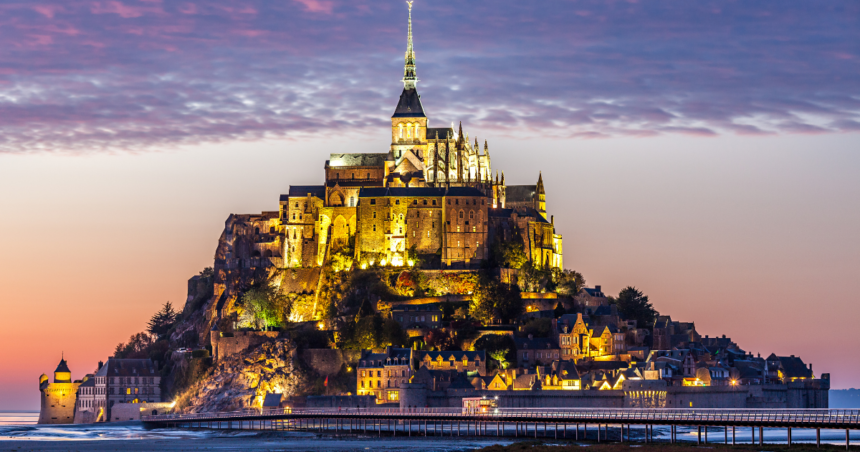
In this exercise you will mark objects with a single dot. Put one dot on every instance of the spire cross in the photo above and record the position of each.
(409, 78)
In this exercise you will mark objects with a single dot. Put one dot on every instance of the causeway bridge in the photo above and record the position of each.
(571, 423)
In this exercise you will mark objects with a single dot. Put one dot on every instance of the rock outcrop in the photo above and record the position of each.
(242, 380)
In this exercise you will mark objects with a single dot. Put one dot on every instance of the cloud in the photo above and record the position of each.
(140, 74)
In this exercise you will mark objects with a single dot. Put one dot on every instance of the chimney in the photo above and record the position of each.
(810, 367)
(792, 356)
(101, 364)
(724, 336)
(597, 288)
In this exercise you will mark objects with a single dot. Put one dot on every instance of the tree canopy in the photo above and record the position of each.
(493, 299)
(634, 305)
(162, 321)
(510, 253)
(568, 282)
(264, 306)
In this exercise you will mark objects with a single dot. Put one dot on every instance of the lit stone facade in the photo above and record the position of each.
(383, 374)
(374, 204)
(58, 399)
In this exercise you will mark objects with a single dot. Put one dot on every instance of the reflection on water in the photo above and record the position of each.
(18, 417)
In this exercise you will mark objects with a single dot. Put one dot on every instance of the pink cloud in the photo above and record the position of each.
(115, 7)
(47, 10)
(316, 6)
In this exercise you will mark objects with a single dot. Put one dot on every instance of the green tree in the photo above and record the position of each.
(264, 306)
(495, 343)
(162, 321)
(510, 253)
(634, 305)
(494, 300)
(501, 356)
(568, 282)
(532, 278)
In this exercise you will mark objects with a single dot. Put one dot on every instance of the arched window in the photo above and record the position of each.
(256, 230)
(461, 214)
(417, 128)
(401, 217)
(272, 230)
(471, 215)
(400, 129)
(397, 202)
(408, 130)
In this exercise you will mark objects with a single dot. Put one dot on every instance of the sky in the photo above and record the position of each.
(704, 152)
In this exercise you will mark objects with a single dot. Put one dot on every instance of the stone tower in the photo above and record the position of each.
(540, 195)
(408, 123)
(58, 398)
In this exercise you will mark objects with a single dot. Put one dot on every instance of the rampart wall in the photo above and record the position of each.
(229, 344)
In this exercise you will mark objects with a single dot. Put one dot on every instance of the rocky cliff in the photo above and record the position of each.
(242, 380)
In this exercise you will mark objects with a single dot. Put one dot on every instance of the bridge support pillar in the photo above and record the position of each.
(789, 437)
(699, 436)
(847, 439)
(761, 436)
(818, 438)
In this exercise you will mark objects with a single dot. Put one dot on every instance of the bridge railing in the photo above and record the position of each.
(611, 415)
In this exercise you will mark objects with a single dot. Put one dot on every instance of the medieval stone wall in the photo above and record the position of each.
(58, 403)
(223, 347)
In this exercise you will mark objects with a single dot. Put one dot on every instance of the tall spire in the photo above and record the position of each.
(409, 77)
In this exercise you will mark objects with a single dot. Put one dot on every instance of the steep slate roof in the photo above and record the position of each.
(520, 193)
(594, 292)
(127, 368)
(441, 132)
(538, 343)
(347, 160)
(62, 367)
(378, 192)
(300, 191)
(409, 105)
(793, 367)
(272, 400)
(480, 355)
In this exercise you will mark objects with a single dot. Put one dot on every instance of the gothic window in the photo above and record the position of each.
(401, 217)
(397, 202)
(461, 214)
(400, 129)
(471, 214)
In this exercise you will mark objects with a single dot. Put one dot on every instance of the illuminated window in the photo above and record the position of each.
(351, 201)
(127, 391)
(474, 229)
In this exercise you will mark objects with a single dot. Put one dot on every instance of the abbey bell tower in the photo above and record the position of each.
(408, 123)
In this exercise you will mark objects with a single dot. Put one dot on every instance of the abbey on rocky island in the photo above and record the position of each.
(433, 194)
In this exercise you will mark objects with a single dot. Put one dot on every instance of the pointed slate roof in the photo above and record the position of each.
(62, 367)
(409, 105)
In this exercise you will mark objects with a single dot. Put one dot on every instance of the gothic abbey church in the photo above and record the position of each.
(433, 194)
